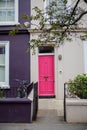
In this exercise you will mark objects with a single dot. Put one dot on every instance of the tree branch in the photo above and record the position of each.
(80, 16)
(72, 13)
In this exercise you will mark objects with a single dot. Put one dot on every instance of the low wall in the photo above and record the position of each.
(76, 110)
(15, 110)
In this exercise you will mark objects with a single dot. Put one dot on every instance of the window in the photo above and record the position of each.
(52, 12)
(59, 2)
(8, 12)
(4, 64)
(46, 49)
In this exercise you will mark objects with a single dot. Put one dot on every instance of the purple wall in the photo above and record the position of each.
(19, 60)
(15, 110)
(24, 8)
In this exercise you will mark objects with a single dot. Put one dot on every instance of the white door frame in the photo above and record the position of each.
(34, 68)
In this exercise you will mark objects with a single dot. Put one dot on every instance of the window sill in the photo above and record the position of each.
(10, 23)
(4, 86)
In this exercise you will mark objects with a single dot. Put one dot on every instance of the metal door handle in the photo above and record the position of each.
(45, 77)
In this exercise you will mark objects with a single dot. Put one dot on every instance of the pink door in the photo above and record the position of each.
(46, 75)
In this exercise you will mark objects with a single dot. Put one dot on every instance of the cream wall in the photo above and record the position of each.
(38, 3)
(73, 59)
(72, 62)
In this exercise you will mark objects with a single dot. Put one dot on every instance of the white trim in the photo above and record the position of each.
(9, 23)
(47, 1)
(45, 4)
(85, 56)
(16, 16)
(16, 11)
(6, 83)
(34, 67)
(45, 54)
(68, 4)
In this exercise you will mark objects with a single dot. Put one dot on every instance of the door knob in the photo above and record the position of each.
(45, 77)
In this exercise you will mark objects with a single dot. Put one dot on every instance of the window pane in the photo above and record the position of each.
(2, 50)
(2, 55)
(10, 3)
(3, 15)
(7, 3)
(46, 49)
(7, 10)
(2, 3)
(4, 63)
(55, 9)
(2, 74)
(10, 15)
(2, 59)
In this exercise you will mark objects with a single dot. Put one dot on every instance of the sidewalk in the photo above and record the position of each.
(46, 120)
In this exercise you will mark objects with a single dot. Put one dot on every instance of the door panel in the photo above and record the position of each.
(46, 75)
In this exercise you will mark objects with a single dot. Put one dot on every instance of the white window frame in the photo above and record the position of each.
(85, 57)
(16, 16)
(46, 4)
(6, 83)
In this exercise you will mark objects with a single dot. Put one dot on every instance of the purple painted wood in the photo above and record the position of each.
(19, 64)
(24, 8)
(10, 93)
(15, 110)
(13, 92)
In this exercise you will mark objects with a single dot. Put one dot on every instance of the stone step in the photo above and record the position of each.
(51, 104)
(48, 103)
(47, 113)
(47, 116)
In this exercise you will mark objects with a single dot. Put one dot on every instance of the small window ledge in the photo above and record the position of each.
(10, 23)
(4, 86)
